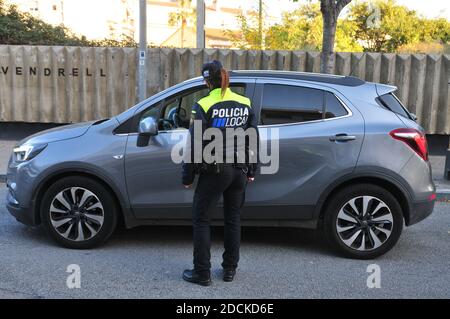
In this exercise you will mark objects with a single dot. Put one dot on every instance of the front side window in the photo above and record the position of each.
(175, 112)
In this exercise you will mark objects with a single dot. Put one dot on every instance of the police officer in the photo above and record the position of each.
(222, 109)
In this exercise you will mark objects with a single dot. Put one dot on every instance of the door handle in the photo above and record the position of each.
(342, 138)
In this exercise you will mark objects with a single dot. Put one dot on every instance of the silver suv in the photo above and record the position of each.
(352, 162)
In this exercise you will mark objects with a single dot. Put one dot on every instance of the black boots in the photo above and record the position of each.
(228, 274)
(196, 277)
(204, 278)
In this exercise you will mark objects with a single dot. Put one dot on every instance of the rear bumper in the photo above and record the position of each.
(419, 211)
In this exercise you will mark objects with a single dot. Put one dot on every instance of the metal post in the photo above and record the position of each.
(200, 24)
(62, 12)
(260, 22)
(142, 88)
(447, 162)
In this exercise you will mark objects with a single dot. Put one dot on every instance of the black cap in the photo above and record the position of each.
(211, 70)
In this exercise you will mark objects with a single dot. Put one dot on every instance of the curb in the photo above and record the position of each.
(442, 191)
(443, 196)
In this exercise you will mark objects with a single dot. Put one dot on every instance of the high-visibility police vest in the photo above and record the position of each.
(230, 111)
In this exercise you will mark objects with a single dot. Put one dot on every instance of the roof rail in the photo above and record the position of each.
(304, 76)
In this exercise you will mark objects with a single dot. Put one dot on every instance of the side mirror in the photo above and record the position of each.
(148, 127)
(414, 117)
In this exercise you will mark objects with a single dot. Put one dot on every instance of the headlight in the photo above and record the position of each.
(26, 152)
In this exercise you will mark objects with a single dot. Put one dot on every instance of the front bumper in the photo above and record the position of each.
(419, 211)
(19, 200)
(24, 215)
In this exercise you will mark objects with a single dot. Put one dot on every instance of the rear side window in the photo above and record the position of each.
(334, 107)
(284, 104)
(390, 102)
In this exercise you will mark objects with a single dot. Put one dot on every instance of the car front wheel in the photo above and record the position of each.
(363, 221)
(78, 212)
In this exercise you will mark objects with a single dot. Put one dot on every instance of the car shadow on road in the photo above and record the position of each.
(304, 240)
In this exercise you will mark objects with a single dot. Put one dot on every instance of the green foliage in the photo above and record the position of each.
(22, 28)
(397, 25)
(123, 42)
(248, 38)
(383, 26)
(301, 28)
(346, 37)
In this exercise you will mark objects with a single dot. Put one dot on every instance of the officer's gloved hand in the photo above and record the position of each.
(250, 175)
(187, 181)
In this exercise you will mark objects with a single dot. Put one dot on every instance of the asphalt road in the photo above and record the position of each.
(147, 262)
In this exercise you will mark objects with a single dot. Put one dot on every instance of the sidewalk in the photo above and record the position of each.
(442, 185)
(6, 147)
(437, 163)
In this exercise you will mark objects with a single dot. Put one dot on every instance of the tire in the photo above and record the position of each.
(96, 212)
(365, 237)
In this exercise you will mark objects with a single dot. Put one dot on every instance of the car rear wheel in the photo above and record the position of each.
(78, 212)
(363, 221)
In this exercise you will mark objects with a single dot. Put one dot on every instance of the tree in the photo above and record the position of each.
(300, 29)
(183, 15)
(381, 26)
(330, 12)
(435, 30)
(398, 28)
(252, 33)
(248, 37)
(22, 28)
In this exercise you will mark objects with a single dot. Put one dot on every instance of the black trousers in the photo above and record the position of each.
(231, 183)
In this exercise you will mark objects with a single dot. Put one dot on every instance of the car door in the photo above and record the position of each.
(320, 138)
(153, 179)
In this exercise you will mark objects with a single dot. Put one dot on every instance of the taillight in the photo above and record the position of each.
(414, 138)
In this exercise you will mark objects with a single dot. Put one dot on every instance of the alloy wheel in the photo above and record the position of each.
(76, 214)
(364, 223)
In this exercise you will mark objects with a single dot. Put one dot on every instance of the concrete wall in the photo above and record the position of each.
(72, 84)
